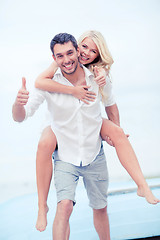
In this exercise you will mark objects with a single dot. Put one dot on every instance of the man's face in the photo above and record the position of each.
(66, 57)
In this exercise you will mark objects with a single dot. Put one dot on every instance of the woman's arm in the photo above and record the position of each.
(44, 82)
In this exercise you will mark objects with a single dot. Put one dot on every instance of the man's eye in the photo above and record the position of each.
(59, 56)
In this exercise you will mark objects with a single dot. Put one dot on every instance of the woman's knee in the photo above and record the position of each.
(47, 141)
(118, 132)
(111, 130)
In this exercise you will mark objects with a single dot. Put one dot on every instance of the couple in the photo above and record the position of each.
(76, 127)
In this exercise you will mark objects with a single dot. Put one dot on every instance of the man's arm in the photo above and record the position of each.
(18, 110)
(113, 114)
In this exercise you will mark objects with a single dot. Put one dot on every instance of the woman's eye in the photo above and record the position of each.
(84, 46)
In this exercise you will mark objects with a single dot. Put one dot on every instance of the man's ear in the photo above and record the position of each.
(54, 57)
(78, 51)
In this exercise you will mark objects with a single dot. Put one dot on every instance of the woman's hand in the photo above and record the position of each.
(100, 76)
(82, 93)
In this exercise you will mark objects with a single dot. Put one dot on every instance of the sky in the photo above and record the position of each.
(131, 29)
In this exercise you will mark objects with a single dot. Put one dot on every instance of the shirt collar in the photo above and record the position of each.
(58, 72)
(87, 72)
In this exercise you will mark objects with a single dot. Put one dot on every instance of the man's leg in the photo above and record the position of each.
(95, 179)
(101, 223)
(61, 221)
(66, 179)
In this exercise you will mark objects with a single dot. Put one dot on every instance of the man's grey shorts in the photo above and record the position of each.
(95, 178)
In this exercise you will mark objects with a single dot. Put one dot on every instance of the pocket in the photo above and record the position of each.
(103, 176)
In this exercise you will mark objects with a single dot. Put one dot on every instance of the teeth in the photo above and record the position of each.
(85, 58)
(68, 66)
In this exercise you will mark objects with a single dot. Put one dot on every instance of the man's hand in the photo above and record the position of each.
(109, 141)
(18, 110)
(23, 94)
(82, 93)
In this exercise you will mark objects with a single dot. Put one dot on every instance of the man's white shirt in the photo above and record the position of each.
(76, 125)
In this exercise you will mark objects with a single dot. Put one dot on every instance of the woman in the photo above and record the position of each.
(95, 55)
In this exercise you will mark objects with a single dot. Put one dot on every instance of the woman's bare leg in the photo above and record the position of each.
(46, 147)
(127, 158)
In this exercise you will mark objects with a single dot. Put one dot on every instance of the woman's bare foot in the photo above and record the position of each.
(42, 218)
(147, 193)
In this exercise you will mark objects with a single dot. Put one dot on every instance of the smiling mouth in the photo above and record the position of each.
(68, 66)
(84, 58)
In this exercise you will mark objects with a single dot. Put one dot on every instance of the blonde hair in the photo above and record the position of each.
(105, 59)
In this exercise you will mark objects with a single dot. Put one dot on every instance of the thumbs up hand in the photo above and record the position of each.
(23, 94)
(23, 83)
(100, 76)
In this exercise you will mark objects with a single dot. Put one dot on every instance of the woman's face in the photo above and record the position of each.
(88, 51)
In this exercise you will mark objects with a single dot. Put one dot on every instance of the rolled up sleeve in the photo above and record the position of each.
(36, 99)
(108, 99)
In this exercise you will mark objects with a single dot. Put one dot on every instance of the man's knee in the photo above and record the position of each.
(101, 211)
(65, 208)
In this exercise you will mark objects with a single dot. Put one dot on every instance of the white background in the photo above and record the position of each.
(131, 29)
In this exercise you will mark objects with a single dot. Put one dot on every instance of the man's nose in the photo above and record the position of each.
(66, 59)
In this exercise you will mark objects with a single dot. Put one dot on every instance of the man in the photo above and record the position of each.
(77, 128)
